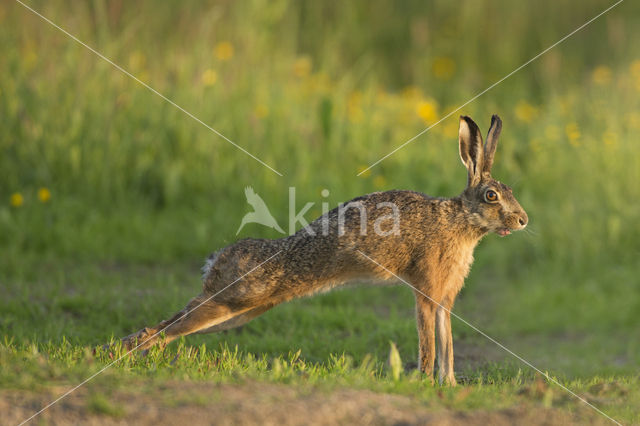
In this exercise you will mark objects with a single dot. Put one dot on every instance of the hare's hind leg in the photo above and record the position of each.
(237, 320)
(200, 314)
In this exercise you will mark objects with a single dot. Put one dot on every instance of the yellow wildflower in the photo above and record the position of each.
(379, 182)
(44, 195)
(536, 145)
(443, 68)
(16, 199)
(261, 111)
(223, 51)
(29, 57)
(137, 61)
(427, 110)
(610, 139)
(355, 97)
(526, 112)
(209, 77)
(365, 172)
(573, 133)
(382, 97)
(634, 68)
(302, 67)
(354, 109)
(601, 75)
(633, 119)
(144, 76)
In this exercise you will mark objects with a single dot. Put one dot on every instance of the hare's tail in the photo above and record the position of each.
(209, 264)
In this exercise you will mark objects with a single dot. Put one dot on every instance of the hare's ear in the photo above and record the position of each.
(491, 144)
(471, 152)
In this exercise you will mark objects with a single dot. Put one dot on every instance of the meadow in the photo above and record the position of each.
(111, 198)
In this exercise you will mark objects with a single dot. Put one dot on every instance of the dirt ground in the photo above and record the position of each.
(193, 404)
(201, 403)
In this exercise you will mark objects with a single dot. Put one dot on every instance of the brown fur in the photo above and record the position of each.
(432, 250)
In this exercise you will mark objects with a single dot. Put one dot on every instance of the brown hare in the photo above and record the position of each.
(427, 241)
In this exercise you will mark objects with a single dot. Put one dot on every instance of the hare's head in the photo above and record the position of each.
(491, 203)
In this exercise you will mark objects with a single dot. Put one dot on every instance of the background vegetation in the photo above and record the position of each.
(110, 197)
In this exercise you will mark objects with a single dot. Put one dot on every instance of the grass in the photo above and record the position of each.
(110, 197)
(329, 342)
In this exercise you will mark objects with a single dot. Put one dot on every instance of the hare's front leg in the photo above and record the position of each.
(445, 343)
(426, 317)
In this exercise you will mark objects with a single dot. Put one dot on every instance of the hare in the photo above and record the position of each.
(425, 241)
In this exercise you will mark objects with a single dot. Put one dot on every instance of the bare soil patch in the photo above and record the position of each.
(197, 403)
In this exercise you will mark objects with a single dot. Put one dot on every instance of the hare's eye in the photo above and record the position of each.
(490, 195)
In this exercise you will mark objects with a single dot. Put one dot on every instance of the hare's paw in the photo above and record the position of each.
(451, 381)
(139, 340)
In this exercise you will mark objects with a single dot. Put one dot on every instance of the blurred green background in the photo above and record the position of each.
(110, 197)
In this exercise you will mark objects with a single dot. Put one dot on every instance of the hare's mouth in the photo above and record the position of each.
(503, 232)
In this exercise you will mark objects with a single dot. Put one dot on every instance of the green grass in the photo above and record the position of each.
(331, 341)
(140, 193)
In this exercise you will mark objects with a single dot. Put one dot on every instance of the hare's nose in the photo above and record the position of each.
(523, 220)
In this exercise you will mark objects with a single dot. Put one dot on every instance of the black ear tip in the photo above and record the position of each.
(496, 124)
(469, 121)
